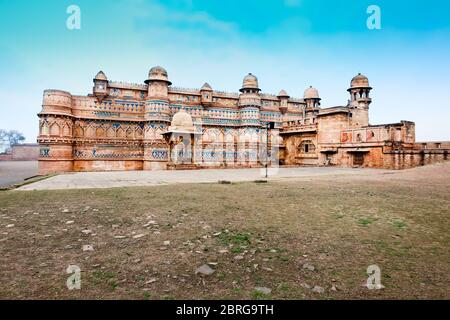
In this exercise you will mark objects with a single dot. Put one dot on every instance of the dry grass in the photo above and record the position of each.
(339, 226)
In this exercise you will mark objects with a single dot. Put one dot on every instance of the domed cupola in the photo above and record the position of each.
(360, 81)
(158, 84)
(283, 94)
(311, 93)
(250, 101)
(360, 100)
(360, 89)
(182, 122)
(158, 74)
(312, 98)
(250, 92)
(250, 84)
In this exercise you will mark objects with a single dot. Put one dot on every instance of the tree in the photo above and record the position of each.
(10, 138)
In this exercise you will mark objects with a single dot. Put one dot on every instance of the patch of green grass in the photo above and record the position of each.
(237, 291)
(391, 250)
(113, 284)
(221, 276)
(259, 280)
(107, 277)
(258, 295)
(399, 224)
(284, 287)
(228, 238)
(365, 221)
(147, 295)
(237, 250)
(139, 278)
(103, 275)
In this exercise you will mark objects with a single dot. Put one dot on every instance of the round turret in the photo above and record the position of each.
(57, 102)
(158, 74)
(359, 81)
(311, 93)
(360, 100)
(283, 94)
(250, 83)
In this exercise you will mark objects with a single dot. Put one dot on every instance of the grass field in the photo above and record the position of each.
(286, 236)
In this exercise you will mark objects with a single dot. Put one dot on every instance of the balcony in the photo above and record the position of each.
(298, 126)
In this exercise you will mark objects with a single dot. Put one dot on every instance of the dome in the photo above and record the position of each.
(182, 121)
(360, 81)
(159, 74)
(250, 82)
(206, 87)
(311, 93)
(101, 76)
(283, 94)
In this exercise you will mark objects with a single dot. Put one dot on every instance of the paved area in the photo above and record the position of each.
(12, 172)
(84, 180)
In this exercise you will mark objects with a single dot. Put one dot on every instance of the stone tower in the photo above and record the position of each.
(249, 113)
(157, 118)
(360, 100)
(312, 100)
(250, 101)
(56, 124)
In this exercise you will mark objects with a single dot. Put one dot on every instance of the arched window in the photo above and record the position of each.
(54, 129)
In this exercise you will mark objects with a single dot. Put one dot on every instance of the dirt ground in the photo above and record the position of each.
(310, 238)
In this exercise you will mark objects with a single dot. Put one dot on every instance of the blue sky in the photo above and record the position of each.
(288, 44)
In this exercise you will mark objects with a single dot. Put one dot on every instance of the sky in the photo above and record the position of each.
(287, 44)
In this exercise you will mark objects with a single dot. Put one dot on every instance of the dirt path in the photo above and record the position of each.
(85, 180)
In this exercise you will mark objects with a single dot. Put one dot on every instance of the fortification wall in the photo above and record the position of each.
(25, 152)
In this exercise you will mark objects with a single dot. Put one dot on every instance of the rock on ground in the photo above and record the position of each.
(318, 289)
(88, 247)
(309, 267)
(205, 270)
(263, 290)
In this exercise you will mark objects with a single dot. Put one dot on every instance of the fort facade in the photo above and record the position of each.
(154, 126)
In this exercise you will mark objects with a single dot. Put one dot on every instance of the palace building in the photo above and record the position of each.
(154, 126)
